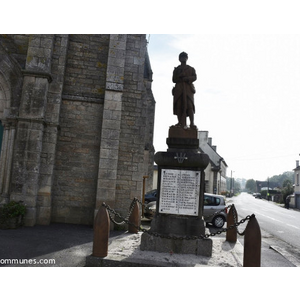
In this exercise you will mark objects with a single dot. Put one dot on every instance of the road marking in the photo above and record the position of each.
(292, 226)
(270, 218)
(291, 258)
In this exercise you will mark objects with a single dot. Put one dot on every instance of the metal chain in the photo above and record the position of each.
(205, 236)
(235, 217)
(125, 220)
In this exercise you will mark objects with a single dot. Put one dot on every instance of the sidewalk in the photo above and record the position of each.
(67, 245)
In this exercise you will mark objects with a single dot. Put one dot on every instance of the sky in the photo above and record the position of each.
(247, 96)
(247, 59)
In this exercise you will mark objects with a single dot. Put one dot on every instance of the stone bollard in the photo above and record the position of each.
(134, 218)
(101, 233)
(231, 234)
(252, 244)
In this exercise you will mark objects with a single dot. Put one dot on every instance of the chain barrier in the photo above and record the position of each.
(140, 228)
(124, 220)
(235, 221)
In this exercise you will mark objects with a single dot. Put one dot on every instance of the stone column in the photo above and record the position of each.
(111, 125)
(31, 123)
(52, 114)
(3, 157)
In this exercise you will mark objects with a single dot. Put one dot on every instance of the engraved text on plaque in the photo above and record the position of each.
(179, 192)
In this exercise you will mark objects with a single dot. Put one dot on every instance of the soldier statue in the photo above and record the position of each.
(183, 92)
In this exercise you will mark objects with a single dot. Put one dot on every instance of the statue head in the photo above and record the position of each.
(183, 55)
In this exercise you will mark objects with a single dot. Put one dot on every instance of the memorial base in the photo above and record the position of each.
(201, 247)
(177, 225)
(180, 192)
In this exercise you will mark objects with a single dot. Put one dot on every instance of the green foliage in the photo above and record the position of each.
(282, 178)
(251, 185)
(12, 209)
(11, 215)
(287, 190)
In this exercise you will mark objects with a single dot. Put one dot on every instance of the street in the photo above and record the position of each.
(279, 227)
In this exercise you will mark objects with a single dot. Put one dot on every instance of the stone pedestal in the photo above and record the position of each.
(201, 247)
(180, 189)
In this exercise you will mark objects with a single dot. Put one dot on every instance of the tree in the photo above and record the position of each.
(287, 189)
(236, 187)
(287, 183)
(280, 179)
(251, 185)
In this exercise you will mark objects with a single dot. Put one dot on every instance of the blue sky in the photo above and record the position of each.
(247, 96)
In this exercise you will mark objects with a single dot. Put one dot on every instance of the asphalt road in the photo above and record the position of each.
(280, 227)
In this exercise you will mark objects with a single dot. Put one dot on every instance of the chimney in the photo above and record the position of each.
(297, 163)
(202, 136)
(209, 141)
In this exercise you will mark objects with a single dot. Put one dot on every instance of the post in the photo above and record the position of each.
(101, 233)
(231, 234)
(134, 218)
(252, 244)
(143, 197)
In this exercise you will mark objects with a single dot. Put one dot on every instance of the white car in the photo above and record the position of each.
(214, 210)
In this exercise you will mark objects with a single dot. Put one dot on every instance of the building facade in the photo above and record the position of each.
(215, 172)
(295, 199)
(77, 119)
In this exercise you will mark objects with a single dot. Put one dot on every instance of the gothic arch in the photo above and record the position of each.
(10, 86)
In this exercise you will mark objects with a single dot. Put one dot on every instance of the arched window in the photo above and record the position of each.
(7, 133)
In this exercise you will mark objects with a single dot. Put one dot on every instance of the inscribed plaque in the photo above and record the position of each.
(179, 192)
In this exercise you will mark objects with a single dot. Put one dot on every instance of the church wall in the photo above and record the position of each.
(78, 144)
(78, 124)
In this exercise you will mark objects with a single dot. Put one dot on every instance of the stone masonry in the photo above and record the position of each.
(77, 115)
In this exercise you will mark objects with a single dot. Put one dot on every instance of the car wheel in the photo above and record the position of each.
(218, 221)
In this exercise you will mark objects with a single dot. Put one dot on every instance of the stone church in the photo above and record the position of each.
(76, 123)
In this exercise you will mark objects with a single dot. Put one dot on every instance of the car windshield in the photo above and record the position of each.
(151, 192)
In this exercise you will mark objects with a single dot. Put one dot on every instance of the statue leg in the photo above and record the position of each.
(191, 115)
(183, 120)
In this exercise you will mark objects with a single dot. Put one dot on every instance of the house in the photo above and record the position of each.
(295, 201)
(215, 173)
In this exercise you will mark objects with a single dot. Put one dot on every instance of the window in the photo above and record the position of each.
(217, 201)
(211, 201)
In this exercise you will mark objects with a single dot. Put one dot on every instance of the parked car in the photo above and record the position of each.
(150, 210)
(214, 212)
(258, 195)
(151, 196)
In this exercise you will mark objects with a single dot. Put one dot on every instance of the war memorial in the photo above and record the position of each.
(181, 168)
(177, 235)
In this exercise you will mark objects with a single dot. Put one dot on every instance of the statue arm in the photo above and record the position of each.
(192, 77)
(176, 77)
